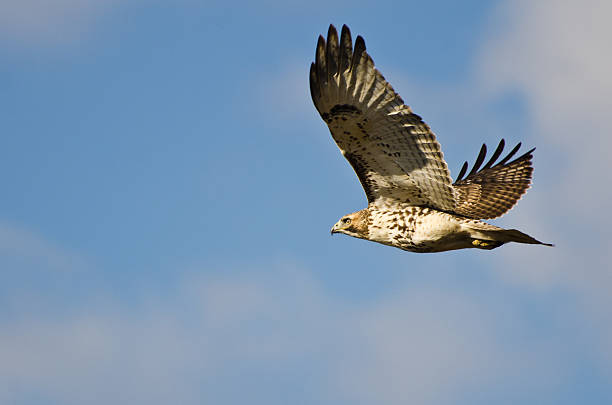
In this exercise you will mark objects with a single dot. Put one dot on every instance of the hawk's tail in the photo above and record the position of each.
(485, 236)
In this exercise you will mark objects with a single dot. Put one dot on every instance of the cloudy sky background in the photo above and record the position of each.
(168, 190)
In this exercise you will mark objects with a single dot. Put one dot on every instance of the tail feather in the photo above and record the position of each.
(487, 236)
(514, 235)
(502, 236)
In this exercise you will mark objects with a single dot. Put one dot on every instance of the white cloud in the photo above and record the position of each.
(431, 345)
(211, 335)
(556, 54)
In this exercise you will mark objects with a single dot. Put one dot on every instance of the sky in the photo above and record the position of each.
(168, 190)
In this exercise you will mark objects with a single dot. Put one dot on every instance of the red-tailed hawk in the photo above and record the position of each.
(413, 203)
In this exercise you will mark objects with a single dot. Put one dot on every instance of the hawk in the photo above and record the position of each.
(413, 203)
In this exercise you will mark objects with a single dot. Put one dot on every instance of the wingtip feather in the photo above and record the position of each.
(331, 52)
(359, 49)
(346, 49)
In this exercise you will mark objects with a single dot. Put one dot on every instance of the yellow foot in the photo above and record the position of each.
(480, 243)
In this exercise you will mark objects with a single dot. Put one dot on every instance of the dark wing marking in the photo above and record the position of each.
(494, 189)
(394, 153)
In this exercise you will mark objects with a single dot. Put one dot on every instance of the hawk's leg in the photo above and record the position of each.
(486, 244)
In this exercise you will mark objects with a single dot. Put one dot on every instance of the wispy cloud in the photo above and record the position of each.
(282, 95)
(24, 250)
(276, 332)
(561, 64)
(210, 335)
(50, 21)
(563, 71)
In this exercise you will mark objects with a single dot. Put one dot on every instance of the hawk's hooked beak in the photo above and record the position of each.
(334, 229)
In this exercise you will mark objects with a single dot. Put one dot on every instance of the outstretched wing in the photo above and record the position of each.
(493, 190)
(394, 153)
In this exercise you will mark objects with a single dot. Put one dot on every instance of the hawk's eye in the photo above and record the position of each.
(346, 221)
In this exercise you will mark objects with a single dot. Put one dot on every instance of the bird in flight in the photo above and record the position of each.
(413, 203)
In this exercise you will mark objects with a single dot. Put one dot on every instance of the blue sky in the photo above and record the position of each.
(168, 190)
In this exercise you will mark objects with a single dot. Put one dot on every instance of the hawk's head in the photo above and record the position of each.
(355, 224)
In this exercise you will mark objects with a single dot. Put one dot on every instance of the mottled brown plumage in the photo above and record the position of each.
(493, 190)
(412, 202)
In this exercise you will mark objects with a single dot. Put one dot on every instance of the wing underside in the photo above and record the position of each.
(394, 153)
